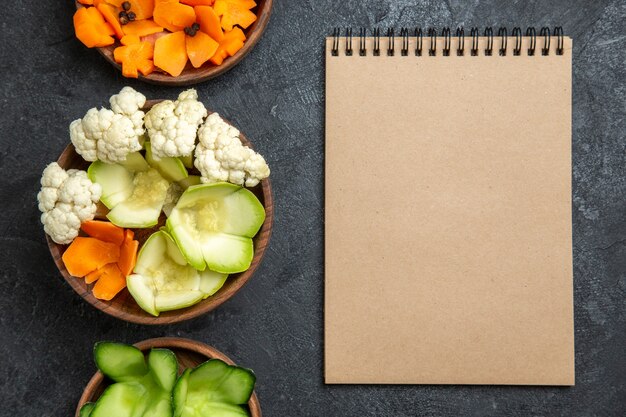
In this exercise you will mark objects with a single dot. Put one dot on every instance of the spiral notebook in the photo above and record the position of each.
(448, 245)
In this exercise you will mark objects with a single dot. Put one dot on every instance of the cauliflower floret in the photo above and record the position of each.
(220, 155)
(172, 125)
(66, 199)
(128, 102)
(110, 135)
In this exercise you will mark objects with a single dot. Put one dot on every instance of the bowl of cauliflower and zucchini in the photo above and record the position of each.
(158, 211)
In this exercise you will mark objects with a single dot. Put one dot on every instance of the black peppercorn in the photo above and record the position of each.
(132, 16)
(126, 5)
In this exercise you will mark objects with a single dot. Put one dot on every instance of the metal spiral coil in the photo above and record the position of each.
(544, 33)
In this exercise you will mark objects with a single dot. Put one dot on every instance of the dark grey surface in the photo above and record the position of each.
(275, 324)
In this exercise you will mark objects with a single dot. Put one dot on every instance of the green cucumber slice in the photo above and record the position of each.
(141, 288)
(213, 224)
(170, 168)
(159, 407)
(211, 282)
(135, 162)
(120, 400)
(172, 250)
(163, 367)
(187, 160)
(190, 181)
(175, 300)
(86, 409)
(216, 381)
(179, 393)
(120, 362)
(115, 180)
(217, 409)
(143, 207)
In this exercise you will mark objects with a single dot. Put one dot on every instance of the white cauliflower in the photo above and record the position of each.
(66, 199)
(110, 135)
(220, 155)
(172, 125)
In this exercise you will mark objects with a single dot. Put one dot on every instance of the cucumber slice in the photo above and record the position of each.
(212, 225)
(143, 207)
(159, 407)
(187, 160)
(221, 410)
(120, 400)
(135, 162)
(179, 393)
(170, 168)
(172, 250)
(120, 362)
(211, 282)
(86, 409)
(163, 367)
(115, 180)
(174, 300)
(216, 381)
(142, 290)
(190, 181)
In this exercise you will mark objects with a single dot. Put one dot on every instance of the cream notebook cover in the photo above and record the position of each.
(448, 247)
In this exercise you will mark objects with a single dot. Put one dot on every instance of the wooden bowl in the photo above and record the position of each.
(123, 306)
(191, 75)
(189, 353)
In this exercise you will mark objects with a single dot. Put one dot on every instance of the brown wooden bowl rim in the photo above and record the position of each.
(204, 73)
(203, 306)
(169, 343)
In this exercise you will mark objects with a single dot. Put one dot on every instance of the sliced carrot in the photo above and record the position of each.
(105, 231)
(91, 28)
(200, 48)
(129, 40)
(110, 283)
(110, 13)
(235, 12)
(135, 58)
(173, 16)
(129, 234)
(86, 254)
(142, 28)
(87, 2)
(153, 38)
(231, 43)
(128, 256)
(198, 2)
(170, 53)
(93, 276)
(143, 9)
(209, 22)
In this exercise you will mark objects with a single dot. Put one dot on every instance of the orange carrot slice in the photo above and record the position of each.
(235, 12)
(87, 2)
(129, 234)
(170, 53)
(93, 276)
(110, 13)
(130, 39)
(142, 28)
(135, 58)
(105, 231)
(173, 16)
(230, 44)
(209, 22)
(200, 48)
(198, 2)
(128, 256)
(110, 283)
(143, 9)
(86, 254)
(91, 28)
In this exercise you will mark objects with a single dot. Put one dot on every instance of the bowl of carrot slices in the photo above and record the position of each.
(171, 42)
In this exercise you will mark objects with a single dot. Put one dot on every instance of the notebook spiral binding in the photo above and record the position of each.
(418, 34)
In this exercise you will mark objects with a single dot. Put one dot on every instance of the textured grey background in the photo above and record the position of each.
(274, 325)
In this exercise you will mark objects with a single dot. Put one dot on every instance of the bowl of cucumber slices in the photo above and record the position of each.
(162, 244)
(167, 377)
